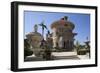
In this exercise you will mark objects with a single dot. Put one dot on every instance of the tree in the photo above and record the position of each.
(80, 49)
(27, 51)
(77, 45)
(43, 27)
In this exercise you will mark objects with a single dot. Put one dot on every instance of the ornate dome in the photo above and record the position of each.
(63, 22)
(35, 36)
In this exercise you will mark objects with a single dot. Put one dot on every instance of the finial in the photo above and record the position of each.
(66, 18)
(35, 28)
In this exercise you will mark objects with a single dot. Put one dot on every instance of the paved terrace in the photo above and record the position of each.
(59, 56)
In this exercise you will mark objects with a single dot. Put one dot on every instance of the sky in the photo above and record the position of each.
(80, 20)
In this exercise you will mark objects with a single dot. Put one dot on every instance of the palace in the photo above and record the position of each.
(62, 34)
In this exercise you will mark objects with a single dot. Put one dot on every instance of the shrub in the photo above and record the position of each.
(27, 51)
(81, 52)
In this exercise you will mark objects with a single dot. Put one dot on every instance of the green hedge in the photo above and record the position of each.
(81, 52)
(27, 52)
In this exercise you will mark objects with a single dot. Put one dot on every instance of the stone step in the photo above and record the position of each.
(64, 53)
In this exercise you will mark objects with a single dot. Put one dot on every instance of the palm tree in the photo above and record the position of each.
(77, 46)
(43, 27)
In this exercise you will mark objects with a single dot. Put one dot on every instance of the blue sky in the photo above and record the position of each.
(81, 21)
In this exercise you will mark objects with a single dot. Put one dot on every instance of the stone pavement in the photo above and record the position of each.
(59, 56)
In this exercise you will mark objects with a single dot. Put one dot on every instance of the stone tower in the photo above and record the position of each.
(63, 35)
